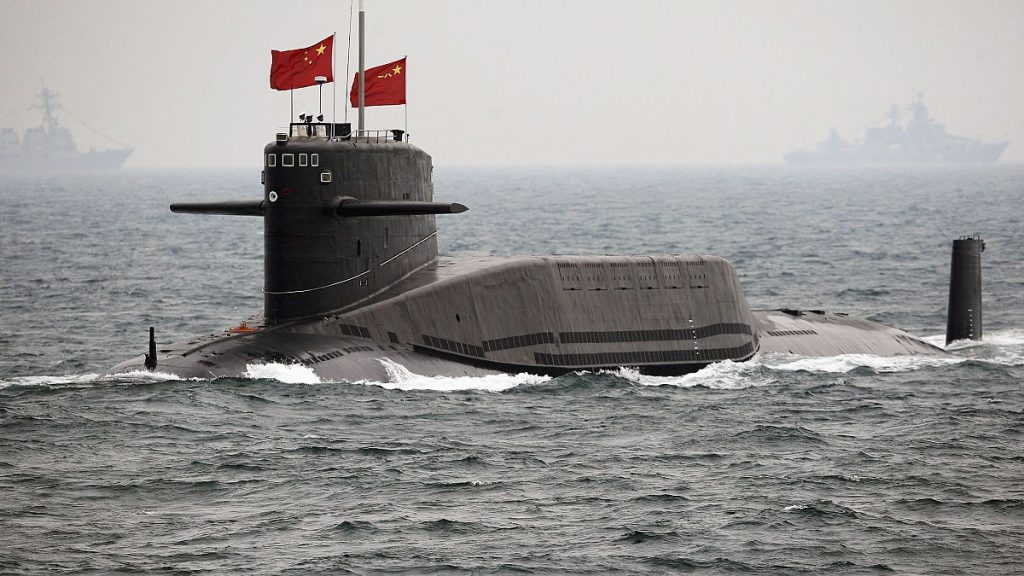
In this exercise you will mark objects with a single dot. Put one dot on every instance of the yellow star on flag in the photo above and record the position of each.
(320, 50)
(398, 69)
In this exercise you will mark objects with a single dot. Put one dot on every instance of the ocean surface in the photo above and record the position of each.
(782, 465)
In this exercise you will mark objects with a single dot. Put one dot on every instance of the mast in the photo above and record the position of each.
(49, 105)
(362, 64)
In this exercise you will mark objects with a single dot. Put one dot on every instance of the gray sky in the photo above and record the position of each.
(523, 82)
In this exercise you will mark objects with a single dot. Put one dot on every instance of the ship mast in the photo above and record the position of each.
(362, 64)
(49, 105)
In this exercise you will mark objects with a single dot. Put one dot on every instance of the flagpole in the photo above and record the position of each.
(334, 89)
(348, 52)
(291, 110)
(362, 64)
(406, 95)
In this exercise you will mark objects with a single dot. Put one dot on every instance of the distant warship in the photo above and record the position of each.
(921, 141)
(50, 147)
(353, 287)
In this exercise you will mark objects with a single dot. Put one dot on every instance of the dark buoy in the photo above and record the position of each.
(963, 320)
(151, 356)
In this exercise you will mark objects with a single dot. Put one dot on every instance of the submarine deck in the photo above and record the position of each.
(804, 332)
(822, 333)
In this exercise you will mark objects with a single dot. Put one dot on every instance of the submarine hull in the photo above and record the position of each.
(349, 359)
(664, 315)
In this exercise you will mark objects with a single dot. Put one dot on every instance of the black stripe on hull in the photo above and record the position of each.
(674, 363)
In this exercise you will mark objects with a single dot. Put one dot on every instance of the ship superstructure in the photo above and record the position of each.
(50, 146)
(921, 140)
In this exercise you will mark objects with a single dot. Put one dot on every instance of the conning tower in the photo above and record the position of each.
(345, 217)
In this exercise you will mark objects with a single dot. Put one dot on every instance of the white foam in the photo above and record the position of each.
(141, 375)
(847, 362)
(1010, 337)
(1001, 338)
(401, 378)
(49, 380)
(287, 373)
(725, 375)
(1004, 347)
(133, 376)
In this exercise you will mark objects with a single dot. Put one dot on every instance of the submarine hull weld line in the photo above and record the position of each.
(338, 283)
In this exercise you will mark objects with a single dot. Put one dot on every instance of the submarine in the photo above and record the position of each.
(353, 286)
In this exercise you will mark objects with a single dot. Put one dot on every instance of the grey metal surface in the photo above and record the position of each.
(821, 333)
(332, 358)
(963, 316)
(316, 261)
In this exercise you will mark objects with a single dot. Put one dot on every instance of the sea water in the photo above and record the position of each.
(782, 465)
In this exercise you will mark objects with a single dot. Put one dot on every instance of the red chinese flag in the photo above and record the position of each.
(299, 68)
(385, 85)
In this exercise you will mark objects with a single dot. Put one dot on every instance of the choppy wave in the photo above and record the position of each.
(49, 380)
(287, 373)
(139, 375)
(1004, 347)
(849, 362)
(1011, 337)
(66, 380)
(401, 378)
(727, 375)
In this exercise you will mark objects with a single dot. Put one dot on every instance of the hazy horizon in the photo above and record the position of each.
(524, 82)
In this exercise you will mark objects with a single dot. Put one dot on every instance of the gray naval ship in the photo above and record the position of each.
(50, 147)
(921, 141)
(353, 282)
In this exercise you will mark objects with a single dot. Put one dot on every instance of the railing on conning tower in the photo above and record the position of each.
(331, 131)
(380, 136)
(317, 130)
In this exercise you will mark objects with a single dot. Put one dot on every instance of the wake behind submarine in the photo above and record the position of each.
(353, 282)
(353, 285)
